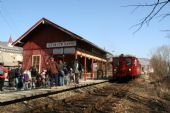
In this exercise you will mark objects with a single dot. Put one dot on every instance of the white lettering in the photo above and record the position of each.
(61, 44)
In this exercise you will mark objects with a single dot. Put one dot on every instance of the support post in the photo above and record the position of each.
(102, 69)
(105, 75)
(85, 68)
(92, 69)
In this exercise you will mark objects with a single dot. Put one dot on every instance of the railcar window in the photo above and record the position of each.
(135, 62)
(116, 62)
(128, 61)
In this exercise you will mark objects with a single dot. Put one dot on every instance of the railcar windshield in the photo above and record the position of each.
(116, 62)
(128, 61)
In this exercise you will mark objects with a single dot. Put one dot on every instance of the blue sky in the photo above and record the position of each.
(103, 22)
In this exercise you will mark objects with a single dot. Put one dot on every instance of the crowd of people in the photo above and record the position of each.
(54, 74)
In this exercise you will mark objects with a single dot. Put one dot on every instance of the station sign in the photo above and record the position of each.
(61, 44)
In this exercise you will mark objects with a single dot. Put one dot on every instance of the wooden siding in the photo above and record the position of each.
(35, 44)
(39, 37)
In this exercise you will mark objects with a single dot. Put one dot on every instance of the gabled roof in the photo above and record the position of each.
(45, 21)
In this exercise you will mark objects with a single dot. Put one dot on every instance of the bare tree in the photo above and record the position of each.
(160, 62)
(156, 7)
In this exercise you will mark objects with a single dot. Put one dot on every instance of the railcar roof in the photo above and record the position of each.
(125, 57)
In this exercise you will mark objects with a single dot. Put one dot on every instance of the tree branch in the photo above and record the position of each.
(156, 8)
(163, 16)
(147, 5)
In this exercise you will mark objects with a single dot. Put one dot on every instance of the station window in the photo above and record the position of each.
(36, 59)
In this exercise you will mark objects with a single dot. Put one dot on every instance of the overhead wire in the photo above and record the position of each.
(9, 22)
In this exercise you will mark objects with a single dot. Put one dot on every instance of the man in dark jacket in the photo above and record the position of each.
(3, 70)
(34, 74)
(19, 77)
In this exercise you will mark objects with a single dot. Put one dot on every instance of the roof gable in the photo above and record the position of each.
(19, 42)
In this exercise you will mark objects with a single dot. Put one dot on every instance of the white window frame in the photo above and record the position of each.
(39, 61)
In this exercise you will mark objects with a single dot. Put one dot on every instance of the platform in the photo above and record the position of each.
(7, 97)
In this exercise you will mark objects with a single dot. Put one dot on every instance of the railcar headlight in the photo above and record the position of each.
(130, 69)
(115, 69)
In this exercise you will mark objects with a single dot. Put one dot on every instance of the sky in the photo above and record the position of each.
(105, 23)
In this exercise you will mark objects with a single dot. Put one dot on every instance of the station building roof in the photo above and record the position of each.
(22, 40)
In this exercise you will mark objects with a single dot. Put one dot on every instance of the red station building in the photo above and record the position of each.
(46, 39)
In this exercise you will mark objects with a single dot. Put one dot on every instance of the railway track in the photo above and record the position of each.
(101, 98)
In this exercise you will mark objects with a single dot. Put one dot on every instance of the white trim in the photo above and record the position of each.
(90, 56)
(39, 62)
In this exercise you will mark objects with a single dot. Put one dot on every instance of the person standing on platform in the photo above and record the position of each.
(76, 68)
(53, 70)
(34, 74)
(3, 70)
(43, 77)
(25, 80)
(19, 77)
(12, 78)
(61, 73)
(30, 79)
(71, 75)
(66, 73)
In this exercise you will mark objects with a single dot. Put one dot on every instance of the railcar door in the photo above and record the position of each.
(135, 67)
(115, 66)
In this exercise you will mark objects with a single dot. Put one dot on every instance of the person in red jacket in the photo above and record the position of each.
(3, 70)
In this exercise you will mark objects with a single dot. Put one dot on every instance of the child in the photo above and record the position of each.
(71, 74)
(26, 79)
(43, 77)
